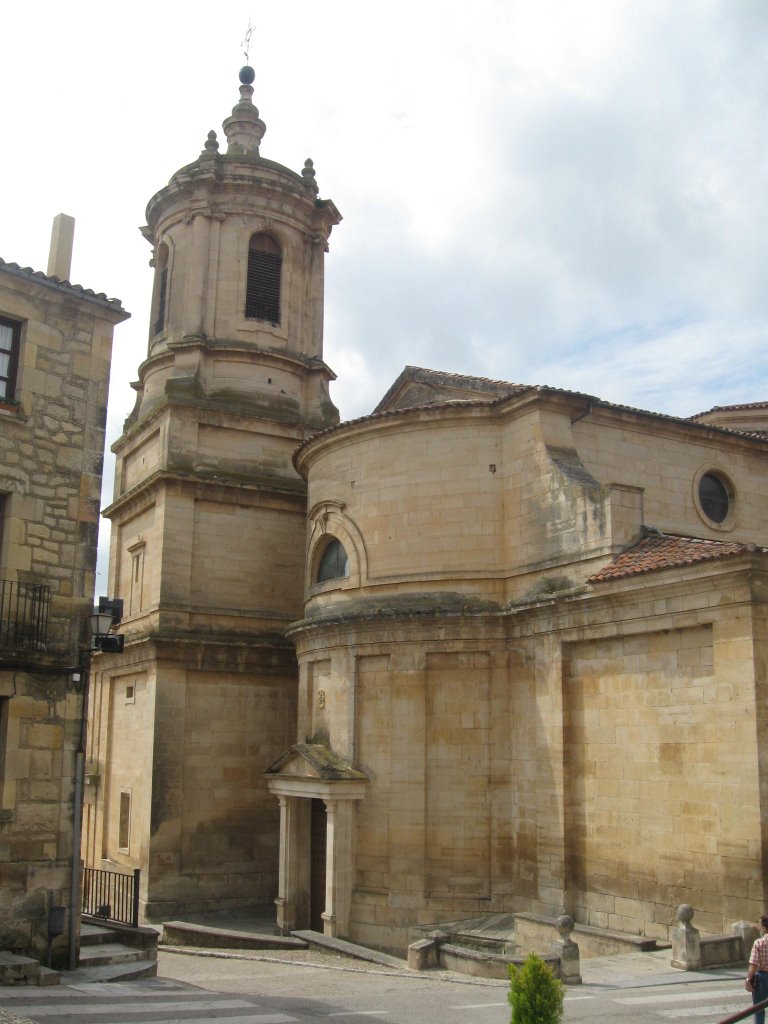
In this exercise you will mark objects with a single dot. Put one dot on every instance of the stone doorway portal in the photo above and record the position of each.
(318, 845)
(317, 791)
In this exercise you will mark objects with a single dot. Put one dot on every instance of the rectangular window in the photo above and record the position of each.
(124, 830)
(10, 336)
(136, 600)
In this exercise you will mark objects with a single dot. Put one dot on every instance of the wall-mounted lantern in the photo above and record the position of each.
(102, 621)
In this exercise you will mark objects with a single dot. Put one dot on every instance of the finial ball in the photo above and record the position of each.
(247, 75)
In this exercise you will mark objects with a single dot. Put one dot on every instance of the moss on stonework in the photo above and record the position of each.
(239, 475)
(321, 758)
(552, 585)
(402, 605)
(553, 588)
(271, 638)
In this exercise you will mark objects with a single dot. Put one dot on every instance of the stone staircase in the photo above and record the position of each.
(23, 970)
(114, 953)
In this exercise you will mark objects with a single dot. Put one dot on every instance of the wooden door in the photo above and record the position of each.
(318, 845)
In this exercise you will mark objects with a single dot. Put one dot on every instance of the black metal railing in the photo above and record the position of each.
(111, 895)
(23, 615)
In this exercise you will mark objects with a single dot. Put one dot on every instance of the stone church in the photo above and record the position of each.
(494, 647)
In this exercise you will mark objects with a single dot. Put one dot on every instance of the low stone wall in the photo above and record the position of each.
(437, 950)
(691, 952)
(534, 932)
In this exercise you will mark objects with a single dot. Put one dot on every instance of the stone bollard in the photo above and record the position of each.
(686, 944)
(425, 953)
(422, 955)
(748, 932)
(568, 951)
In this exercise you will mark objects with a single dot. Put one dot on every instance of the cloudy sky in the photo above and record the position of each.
(542, 191)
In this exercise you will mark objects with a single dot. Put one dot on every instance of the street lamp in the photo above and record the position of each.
(104, 617)
(101, 623)
(108, 614)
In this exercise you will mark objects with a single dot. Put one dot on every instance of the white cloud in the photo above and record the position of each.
(572, 194)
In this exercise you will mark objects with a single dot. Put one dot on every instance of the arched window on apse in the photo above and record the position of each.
(262, 291)
(334, 564)
(161, 286)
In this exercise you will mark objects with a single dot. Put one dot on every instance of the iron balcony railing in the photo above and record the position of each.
(23, 615)
(111, 895)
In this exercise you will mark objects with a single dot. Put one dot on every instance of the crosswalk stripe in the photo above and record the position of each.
(260, 1018)
(156, 1006)
(111, 989)
(681, 997)
(699, 1011)
(475, 1006)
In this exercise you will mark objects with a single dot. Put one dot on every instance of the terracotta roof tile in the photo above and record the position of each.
(730, 408)
(654, 552)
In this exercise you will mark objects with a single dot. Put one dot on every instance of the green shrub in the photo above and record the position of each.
(535, 994)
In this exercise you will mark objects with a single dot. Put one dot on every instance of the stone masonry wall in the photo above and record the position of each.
(51, 450)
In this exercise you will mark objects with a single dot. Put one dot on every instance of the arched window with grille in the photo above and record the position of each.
(262, 292)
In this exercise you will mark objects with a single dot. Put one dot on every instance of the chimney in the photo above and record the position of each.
(60, 256)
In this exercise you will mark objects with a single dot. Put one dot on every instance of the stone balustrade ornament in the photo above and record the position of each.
(686, 941)
(568, 951)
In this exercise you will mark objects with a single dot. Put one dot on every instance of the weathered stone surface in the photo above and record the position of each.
(41, 455)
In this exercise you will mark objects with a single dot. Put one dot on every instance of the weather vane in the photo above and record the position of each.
(246, 44)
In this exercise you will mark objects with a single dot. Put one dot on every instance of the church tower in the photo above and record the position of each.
(208, 529)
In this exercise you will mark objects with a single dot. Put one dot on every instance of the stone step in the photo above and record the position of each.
(93, 934)
(108, 953)
(110, 972)
(23, 970)
(187, 933)
(48, 977)
(351, 949)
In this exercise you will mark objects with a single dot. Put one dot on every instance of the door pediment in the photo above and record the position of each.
(313, 770)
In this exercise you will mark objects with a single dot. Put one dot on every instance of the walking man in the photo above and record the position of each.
(757, 975)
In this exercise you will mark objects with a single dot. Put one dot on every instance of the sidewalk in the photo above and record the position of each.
(609, 973)
(640, 970)
(626, 970)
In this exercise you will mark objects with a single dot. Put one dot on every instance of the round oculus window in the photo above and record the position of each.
(714, 497)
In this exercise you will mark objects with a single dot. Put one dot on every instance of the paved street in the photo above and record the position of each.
(196, 989)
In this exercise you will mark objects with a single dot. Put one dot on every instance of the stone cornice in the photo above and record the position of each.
(252, 490)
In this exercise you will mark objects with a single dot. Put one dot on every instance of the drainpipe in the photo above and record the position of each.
(74, 890)
(584, 414)
(77, 819)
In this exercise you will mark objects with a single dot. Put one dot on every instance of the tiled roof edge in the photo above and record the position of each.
(56, 282)
(651, 543)
(686, 421)
(523, 389)
(730, 408)
(456, 403)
